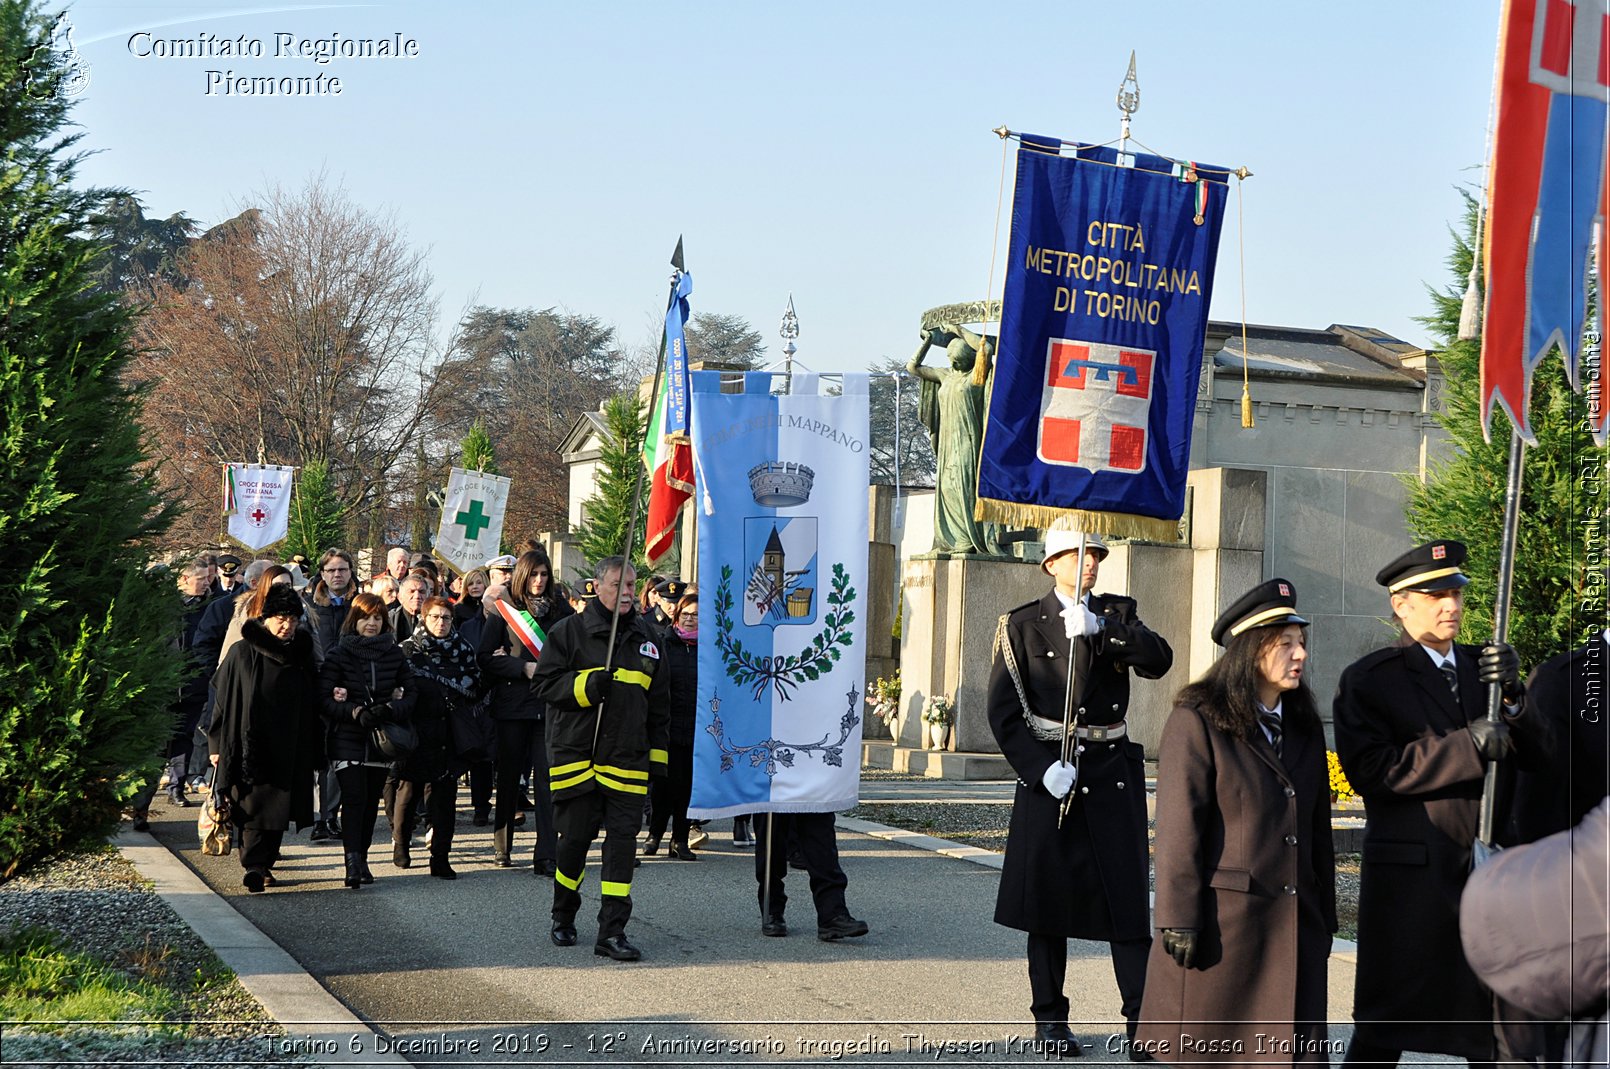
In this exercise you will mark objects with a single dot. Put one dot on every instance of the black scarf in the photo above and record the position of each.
(448, 661)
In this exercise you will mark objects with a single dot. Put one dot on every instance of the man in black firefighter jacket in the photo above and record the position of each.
(607, 734)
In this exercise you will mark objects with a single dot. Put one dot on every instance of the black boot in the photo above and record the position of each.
(441, 869)
(400, 855)
(363, 869)
(354, 878)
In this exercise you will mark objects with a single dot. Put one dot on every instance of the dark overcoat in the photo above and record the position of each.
(370, 668)
(1244, 856)
(1086, 880)
(1400, 734)
(265, 728)
(504, 657)
(1566, 698)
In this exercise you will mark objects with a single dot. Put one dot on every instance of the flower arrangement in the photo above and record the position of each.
(939, 709)
(884, 698)
(1340, 789)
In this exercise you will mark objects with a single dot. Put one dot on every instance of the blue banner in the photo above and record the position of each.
(1104, 313)
(783, 592)
(676, 360)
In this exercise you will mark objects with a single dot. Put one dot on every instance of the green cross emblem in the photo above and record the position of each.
(473, 520)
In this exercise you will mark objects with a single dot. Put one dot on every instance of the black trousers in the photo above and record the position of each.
(671, 794)
(482, 774)
(360, 805)
(441, 804)
(818, 844)
(577, 819)
(522, 747)
(259, 850)
(1048, 968)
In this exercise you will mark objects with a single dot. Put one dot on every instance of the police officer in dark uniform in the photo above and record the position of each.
(1087, 878)
(607, 734)
(1414, 741)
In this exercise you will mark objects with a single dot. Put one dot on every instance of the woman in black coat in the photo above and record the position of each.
(264, 740)
(1246, 876)
(680, 643)
(365, 681)
(447, 676)
(508, 654)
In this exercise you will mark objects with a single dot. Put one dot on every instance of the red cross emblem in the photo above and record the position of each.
(1095, 405)
(1439, 552)
(257, 516)
(1285, 591)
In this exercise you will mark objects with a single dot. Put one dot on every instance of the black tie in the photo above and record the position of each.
(1271, 723)
(1452, 676)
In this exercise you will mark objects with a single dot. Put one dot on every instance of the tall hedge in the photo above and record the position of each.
(87, 669)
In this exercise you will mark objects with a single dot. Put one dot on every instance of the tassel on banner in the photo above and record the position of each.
(1116, 524)
(1246, 407)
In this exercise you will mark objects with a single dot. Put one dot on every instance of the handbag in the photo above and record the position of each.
(395, 739)
(475, 734)
(212, 824)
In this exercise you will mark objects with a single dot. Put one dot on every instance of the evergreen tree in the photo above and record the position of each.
(475, 451)
(1558, 590)
(605, 514)
(88, 668)
(317, 521)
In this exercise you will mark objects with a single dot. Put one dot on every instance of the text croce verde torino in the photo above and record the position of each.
(284, 46)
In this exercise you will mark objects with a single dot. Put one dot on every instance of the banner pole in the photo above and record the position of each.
(1506, 575)
(637, 501)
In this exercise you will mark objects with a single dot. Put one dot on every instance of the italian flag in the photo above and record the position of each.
(667, 451)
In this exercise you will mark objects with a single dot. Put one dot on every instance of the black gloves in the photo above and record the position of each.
(596, 686)
(1180, 944)
(371, 716)
(1498, 664)
(1492, 739)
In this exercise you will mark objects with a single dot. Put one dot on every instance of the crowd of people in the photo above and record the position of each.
(304, 679)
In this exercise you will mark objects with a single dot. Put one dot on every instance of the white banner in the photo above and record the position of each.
(783, 576)
(257, 499)
(472, 519)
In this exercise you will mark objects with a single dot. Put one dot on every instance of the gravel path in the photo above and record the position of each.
(97, 904)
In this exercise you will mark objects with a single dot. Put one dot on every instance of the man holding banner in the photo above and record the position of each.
(609, 729)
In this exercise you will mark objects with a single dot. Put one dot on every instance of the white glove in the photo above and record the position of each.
(1079, 622)
(1058, 779)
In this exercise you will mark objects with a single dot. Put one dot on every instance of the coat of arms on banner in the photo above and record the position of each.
(1095, 404)
(781, 554)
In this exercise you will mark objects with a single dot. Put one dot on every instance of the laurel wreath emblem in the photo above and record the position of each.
(785, 673)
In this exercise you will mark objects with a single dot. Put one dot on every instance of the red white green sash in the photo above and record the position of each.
(525, 626)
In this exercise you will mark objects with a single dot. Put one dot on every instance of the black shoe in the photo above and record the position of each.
(176, 797)
(563, 935)
(142, 821)
(682, 852)
(254, 881)
(354, 878)
(335, 827)
(400, 856)
(502, 861)
(651, 847)
(481, 818)
(363, 869)
(796, 861)
(741, 837)
(544, 869)
(320, 832)
(268, 878)
(773, 926)
(617, 947)
(1056, 1040)
(843, 926)
(442, 870)
(519, 818)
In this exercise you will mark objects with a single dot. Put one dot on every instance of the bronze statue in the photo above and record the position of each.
(951, 406)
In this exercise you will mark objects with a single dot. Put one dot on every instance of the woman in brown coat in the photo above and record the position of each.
(1246, 875)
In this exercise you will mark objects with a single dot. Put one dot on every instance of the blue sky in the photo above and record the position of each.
(551, 153)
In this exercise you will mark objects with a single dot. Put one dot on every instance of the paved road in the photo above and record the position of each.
(443, 966)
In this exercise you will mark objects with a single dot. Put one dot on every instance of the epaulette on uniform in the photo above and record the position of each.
(1379, 657)
(1031, 606)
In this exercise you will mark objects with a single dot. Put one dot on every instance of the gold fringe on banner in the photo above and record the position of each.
(1117, 524)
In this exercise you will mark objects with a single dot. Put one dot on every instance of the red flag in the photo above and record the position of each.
(1546, 186)
(670, 468)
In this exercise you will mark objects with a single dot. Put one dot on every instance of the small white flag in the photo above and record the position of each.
(472, 519)
(257, 498)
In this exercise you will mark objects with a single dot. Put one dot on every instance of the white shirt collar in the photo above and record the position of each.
(1067, 602)
(1438, 659)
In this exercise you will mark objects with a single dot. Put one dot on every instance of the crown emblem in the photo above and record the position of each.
(780, 484)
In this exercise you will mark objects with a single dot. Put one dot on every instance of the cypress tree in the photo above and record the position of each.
(1558, 590)
(620, 459)
(88, 667)
(475, 451)
(317, 520)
